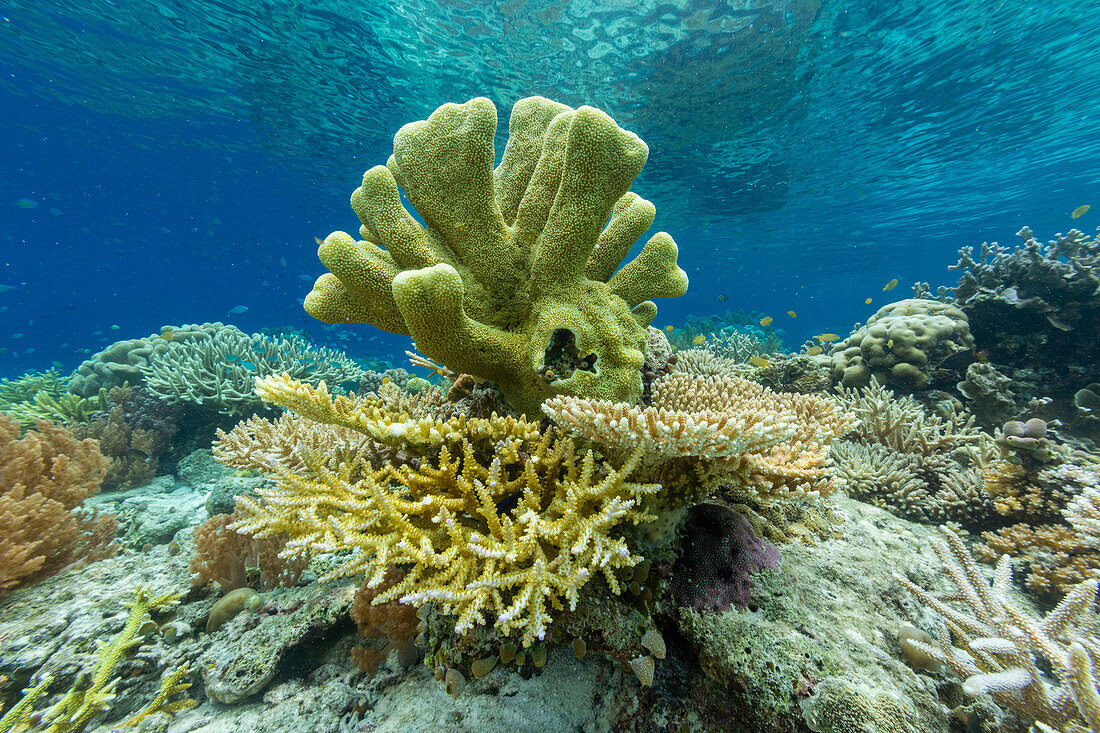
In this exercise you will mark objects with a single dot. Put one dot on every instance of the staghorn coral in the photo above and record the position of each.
(44, 476)
(226, 557)
(703, 363)
(923, 466)
(218, 371)
(93, 691)
(905, 426)
(513, 277)
(995, 646)
(699, 432)
(900, 345)
(498, 516)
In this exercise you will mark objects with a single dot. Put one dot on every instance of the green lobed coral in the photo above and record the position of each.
(513, 276)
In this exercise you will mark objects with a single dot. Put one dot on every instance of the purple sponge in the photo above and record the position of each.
(719, 553)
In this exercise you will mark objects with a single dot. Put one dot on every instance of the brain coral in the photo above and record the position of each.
(514, 276)
(900, 345)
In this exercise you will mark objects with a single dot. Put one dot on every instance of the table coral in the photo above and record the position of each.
(513, 276)
(499, 516)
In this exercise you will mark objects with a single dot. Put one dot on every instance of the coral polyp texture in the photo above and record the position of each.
(512, 277)
(498, 517)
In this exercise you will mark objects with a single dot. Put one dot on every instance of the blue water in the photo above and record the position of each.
(181, 157)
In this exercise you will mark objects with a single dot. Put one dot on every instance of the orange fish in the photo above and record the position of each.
(759, 361)
(699, 340)
(1080, 211)
(318, 240)
(766, 321)
(890, 285)
(792, 314)
(668, 329)
(868, 301)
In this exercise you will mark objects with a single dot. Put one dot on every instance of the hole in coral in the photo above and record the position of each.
(562, 358)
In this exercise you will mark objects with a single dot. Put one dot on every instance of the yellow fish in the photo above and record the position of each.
(792, 314)
(868, 301)
(699, 340)
(827, 337)
(766, 321)
(318, 240)
(668, 329)
(1080, 211)
(813, 351)
(167, 334)
(759, 361)
(891, 285)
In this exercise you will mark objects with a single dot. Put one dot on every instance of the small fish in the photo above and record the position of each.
(26, 203)
(868, 301)
(17, 335)
(282, 261)
(766, 321)
(1080, 211)
(306, 278)
(57, 364)
(890, 285)
(335, 363)
(231, 357)
(386, 380)
(699, 340)
(56, 211)
(307, 360)
(318, 240)
(792, 314)
(167, 334)
(813, 351)
(827, 337)
(249, 366)
(259, 349)
(237, 309)
(114, 326)
(723, 298)
(759, 361)
(6, 288)
(668, 329)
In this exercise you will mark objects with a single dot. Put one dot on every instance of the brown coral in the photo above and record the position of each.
(1054, 557)
(392, 621)
(225, 557)
(44, 476)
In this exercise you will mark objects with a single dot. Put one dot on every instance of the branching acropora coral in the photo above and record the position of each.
(994, 644)
(513, 276)
(498, 516)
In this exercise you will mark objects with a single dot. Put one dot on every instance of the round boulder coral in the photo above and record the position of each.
(900, 345)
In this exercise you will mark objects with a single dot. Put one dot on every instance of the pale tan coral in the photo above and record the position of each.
(372, 416)
(926, 488)
(1084, 514)
(905, 426)
(260, 444)
(703, 363)
(719, 429)
(998, 643)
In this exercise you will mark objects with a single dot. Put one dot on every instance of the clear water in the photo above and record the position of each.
(182, 156)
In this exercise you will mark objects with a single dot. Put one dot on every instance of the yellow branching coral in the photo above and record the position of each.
(371, 416)
(514, 276)
(500, 517)
(721, 429)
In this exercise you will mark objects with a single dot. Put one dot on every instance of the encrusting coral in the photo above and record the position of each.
(498, 516)
(513, 276)
(44, 476)
(994, 645)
